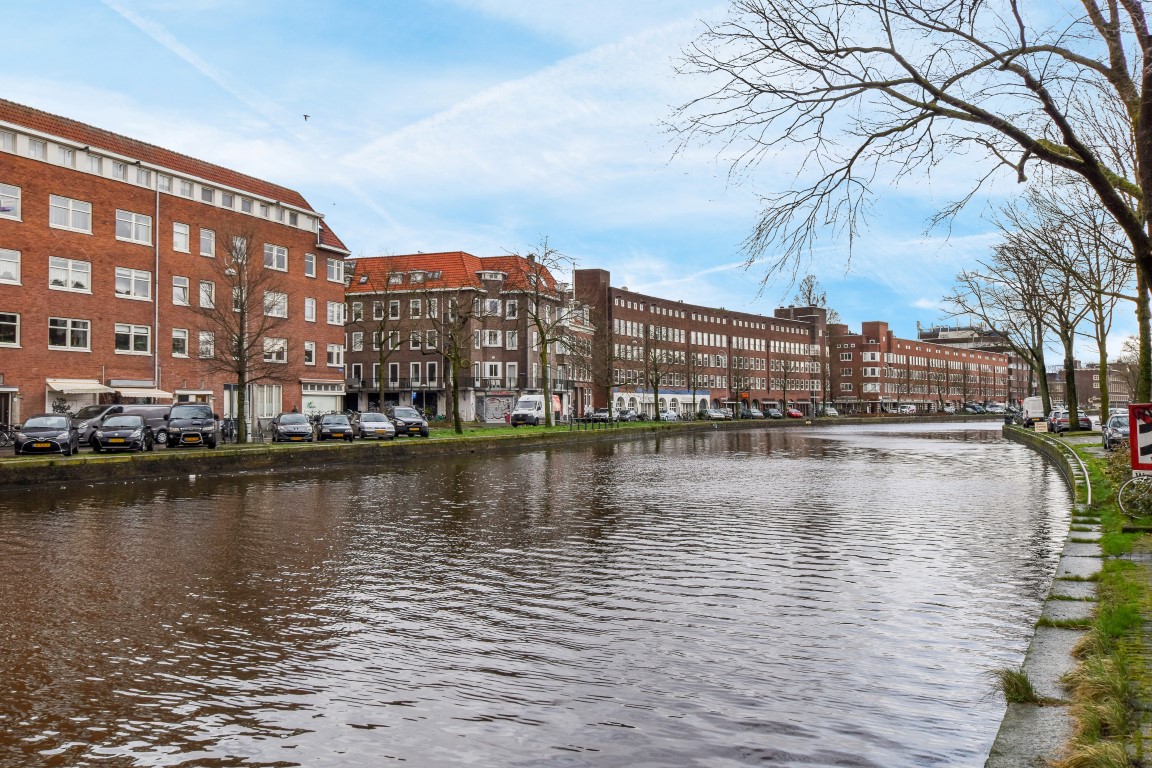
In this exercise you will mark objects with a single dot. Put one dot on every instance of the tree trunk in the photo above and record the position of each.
(1070, 398)
(546, 383)
(454, 385)
(1144, 321)
(1102, 351)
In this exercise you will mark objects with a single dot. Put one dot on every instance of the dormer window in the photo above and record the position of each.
(497, 276)
(396, 278)
(416, 277)
(434, 275)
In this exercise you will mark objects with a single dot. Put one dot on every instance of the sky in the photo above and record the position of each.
(483, 126)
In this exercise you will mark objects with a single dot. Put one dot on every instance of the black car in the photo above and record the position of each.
(48, 433)
(88, 418)
(192, 424)
(123, 432)
(376, 425)
(291, 428)
(335, 426)
(408, 421)
(1115, 431)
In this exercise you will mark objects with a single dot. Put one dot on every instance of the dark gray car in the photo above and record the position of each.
(192, 424)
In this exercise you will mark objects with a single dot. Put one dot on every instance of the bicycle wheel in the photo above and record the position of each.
(1135, 497)
(5, 438)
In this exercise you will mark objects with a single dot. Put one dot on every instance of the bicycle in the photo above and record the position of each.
(7, 435)
(1134, 497)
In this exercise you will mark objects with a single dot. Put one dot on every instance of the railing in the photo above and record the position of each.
(519, 383)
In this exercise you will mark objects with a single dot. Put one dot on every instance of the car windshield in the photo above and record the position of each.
(406, 413)
(367, 417)
(526, 404)
(124, 422)
(335, 419)
(191, 412)
(293, 418)
(1118, 421)
(90, 412)
(47, 422)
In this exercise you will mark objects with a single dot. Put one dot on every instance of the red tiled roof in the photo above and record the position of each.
(457, 269)
(83, 134)
(326, 238)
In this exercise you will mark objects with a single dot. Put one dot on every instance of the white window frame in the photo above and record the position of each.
(119, 170)
(208, 243)
(133, 332)
(187, 189)
(511, 340)
(15, 323)
(9, 267)
(275, 350)
(73, 325)
(72, 268)
(38, 149)
(207, 294)
(7, 141)
(133, 227)
(511, 309)
(137, 278)
(275, 257)
(335, 313)
(10, 195)
(181, 237)
(493, 338)
(335, 270)
(206, 345)
(275, 304)
(335, 356)
(415, 309)
(309, 353)
(309, 309)
(181, 291)
(309, 265)
(180, 335)
(72, 211)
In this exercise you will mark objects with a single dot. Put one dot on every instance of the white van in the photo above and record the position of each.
(1033, 409)
(529, 410)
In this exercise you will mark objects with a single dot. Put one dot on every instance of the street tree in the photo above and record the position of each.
(240, 325)
(871, 91)
(455, 319)
(548, 304)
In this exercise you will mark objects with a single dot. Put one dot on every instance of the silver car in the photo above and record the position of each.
(376, 425)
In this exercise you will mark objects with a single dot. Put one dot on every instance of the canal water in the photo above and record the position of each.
(801, 597)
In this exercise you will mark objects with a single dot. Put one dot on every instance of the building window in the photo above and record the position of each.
(207, 344)
(9, 202)
(133, 339)
(310, 309)
(133, 283)
(335, 355)
(186, 188)
(226, 200)
(276, 257)
(245, 205)
(180, 237)
(207, 243)
(309, 265)
(264, 210)
(207, 194)
(511, 309)
(134, 227)
(207, 294)
(119, 170)
(335, 271)
(413, 373)
(512, 340)
(163, 183)
(144, 177)
(492, 339)
(66, 213)
(69, 275)
(275, 304)
(394, 310)
(275, 350)
(357, 311)
(9, 266)
(357, 341)
(180, 291)
(415, 339)
(66, 333)
(9, 329)
(38, 149)
(335, 313)
(179, 342)
(7, 141)
(67, 157)
(414, 308)
(309, 353)
(396, 278)
(293, 219)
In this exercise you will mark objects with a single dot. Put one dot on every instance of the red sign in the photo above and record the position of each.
(1140, 437)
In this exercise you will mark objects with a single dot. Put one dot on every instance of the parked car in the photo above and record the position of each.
(907, 410)
(751, 413)
(669, 416)
(995, 408)
(47, 433)
(717, 414)
(628, 414)
(375, 425)
(334, 426)
(794, 413)
(192, 424)
(155, 415)
(89, 417)
(123, 432)
(601, 414)
(291, 428)
(1115, 431)
(1058, 421)
(949, 409)
(408, 421)
(972, 408)
(830, 411)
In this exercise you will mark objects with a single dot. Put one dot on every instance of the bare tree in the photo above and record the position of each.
(546, 312)
(454, 315)
(810, 294)
(239, 324)
(868, 87)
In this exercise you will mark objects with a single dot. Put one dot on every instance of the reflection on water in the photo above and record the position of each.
(808, 597)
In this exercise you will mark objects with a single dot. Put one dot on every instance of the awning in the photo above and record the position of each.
(78, 386)
(144, 392)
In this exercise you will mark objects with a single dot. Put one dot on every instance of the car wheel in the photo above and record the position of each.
(96, 445)
(66, 450)
(212, 443)
(161, 438)
(424, 433)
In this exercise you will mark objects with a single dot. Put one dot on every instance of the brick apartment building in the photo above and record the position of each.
(702, 357)
(410, 303)
(1021, 380)
(109, 250)
(1088, 379)
(874, 370)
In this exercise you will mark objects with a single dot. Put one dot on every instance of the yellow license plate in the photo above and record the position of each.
(192, 438)
(337, 434)
(115, 439)
(297, 438)
(41, 445)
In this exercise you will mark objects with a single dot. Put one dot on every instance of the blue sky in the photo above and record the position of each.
(478, 125)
